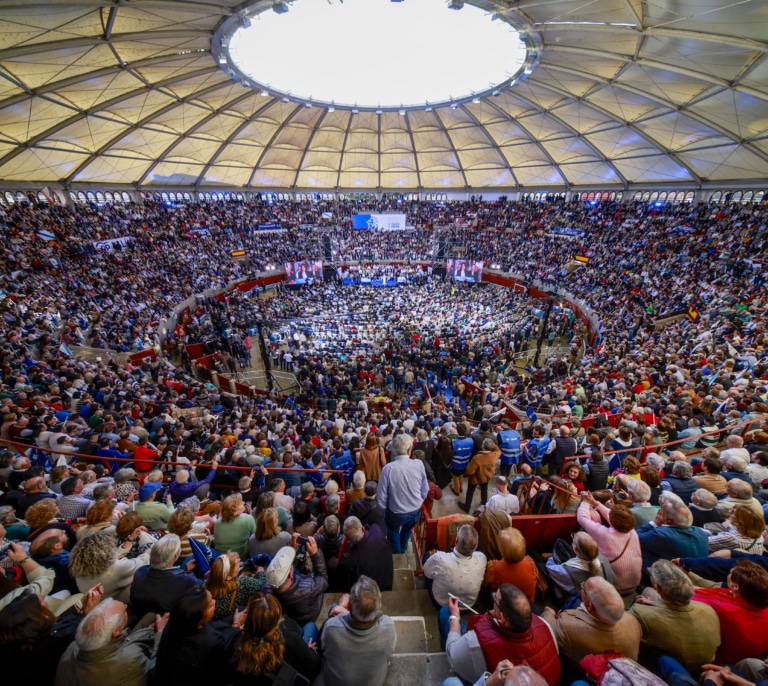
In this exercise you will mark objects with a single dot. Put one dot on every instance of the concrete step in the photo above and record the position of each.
(405, 560)
(411, 635)
(414, 604)
(419, 669)
(403, 580)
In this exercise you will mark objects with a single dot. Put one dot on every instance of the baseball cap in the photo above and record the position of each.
(280, 567)
(148, 489)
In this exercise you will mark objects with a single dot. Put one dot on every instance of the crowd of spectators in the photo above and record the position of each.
(178, 530)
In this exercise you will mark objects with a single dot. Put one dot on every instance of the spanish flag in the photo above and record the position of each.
(582, 258)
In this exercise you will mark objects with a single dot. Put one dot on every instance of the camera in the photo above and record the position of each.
(302, 540)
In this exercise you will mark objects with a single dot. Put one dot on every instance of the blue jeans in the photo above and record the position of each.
(717, 569)
(399, 527)
(444, 625)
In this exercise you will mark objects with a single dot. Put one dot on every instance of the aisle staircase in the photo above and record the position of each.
(418, 659)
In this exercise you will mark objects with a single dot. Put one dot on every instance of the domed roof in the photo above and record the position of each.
(622, 92)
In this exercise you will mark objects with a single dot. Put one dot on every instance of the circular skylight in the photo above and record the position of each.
(374, 53)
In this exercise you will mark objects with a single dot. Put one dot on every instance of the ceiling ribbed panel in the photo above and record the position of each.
(625, 91)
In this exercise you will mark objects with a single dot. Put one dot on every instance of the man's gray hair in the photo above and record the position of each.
(96, 630)
(672, 582)
(639, 491)
(705, 499)
(182, 476)
(331, 527)
(682, 470)
(401, 445)
(740, 488)
(365, 599)
(353, 530)
(677, 513)
(165, 552)
(488, 444)
(466, 540)
(358, 479)
(307, 489)
(655, 460)
(605, 599)
(332, 503)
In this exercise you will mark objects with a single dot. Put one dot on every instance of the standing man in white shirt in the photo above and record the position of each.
(503, 500)
(402, 489)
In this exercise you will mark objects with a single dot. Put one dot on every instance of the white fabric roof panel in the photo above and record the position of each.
(625, 91)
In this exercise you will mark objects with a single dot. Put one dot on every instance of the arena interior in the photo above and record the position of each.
(437, 357)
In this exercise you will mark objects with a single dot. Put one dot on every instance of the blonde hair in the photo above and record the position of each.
(217, 582)
(229, 507)
(266, 524)
(511, 545)
(42, 512)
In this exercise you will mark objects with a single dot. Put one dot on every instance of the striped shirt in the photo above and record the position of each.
(626, 565)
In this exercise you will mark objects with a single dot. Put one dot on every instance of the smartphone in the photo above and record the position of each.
(302, 540)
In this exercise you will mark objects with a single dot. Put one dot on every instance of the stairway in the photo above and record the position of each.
(418, 659)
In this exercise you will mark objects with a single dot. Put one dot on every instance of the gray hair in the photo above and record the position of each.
(332, 503)
(421, 435)
(331, 526)
(182, 476)
(639, 491)
(605, 599)
(705, 498)
(737, 464)
(124, 475)
(358, 479)
(353, 530)
(96, 630)
(466, 540)
(6, 513)
(165, 552)
(307, 489)
(741, 489)
(365, 599)
(677, 513)
(488, 444)
(655, 460)
(193, 503)
(102, 491)
(682, 470)
(672, 582)
(401, 445)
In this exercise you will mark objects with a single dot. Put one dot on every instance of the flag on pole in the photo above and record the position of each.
(64, 350)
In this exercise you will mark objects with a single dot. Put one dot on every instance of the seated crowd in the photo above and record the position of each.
(157, 528)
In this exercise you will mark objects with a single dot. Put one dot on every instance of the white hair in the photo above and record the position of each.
(96, 630)
(165, 552)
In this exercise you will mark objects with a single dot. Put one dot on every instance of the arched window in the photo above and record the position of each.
(654, 196)
(41, 197)
(747, 197)
(716, 196)
(620, 196)
(590, 197)
(108, 196)
(663, 196)
(759, 196)
(646, 196)
(91, 197)
(638, 196)
(82, 197)
(737, 196)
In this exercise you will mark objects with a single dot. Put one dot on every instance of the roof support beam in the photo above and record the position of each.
(272, 139)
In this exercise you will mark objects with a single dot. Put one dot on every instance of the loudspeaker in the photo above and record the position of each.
(327, 249)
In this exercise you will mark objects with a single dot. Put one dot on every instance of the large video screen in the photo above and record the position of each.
(382, 222)
(465, 270)
(303, 271)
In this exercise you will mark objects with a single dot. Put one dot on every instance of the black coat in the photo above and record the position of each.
(372, 557)
(157, 590)
(368, 512)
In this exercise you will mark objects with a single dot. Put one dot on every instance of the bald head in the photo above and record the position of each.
(602, 600)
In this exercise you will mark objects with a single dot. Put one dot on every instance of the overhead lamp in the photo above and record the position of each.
(307, 104)
(380, 111)
(286, 100)
(453, 105)
(331, 109)
(355, 111)
(427, 109)
(496, 91)
(246, 84)
(402, 113)
(280, 7)
(244, 22)
(455, 4)
(475, 100)
(264, 92)
(231, 72)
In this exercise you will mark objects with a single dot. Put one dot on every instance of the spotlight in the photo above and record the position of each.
(379, 112)
(307, 104)
(280, 7)
(496, 92)
(355, 111)
(453, 105)
(402, 113)
(244, 22)
(331, 109)
(475, 100)
(264, 93)
(427, 109)
(286, 100)
(246, 84)
(455, 4)
(231, 72)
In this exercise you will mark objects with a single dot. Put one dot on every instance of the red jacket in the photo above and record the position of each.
(742, 626)
(143, 457)
(536, 646)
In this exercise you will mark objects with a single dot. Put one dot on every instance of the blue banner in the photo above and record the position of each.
(569, 232)
(531, 414)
